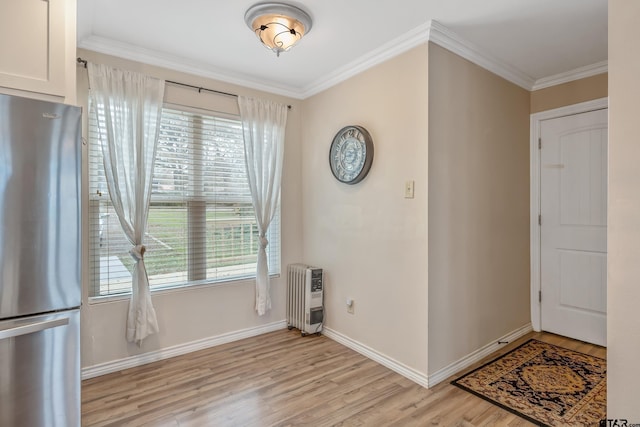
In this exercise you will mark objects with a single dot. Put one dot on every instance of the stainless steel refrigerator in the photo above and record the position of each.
(40, 292)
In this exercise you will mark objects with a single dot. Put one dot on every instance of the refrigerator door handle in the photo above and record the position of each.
(31, 328)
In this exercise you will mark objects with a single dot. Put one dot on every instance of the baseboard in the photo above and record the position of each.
(402, 369)
(444, 373)
(177, 350)
(384, 360)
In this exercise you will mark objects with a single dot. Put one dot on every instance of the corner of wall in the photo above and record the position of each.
(478, 207)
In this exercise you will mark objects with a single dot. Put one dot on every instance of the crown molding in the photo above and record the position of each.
(432, 31)
(578, 73)
(395, 47)
(444, 37)
(159, 59)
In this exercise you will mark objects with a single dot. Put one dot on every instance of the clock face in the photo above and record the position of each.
(351, 154)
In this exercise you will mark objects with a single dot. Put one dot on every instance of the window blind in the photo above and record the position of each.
(201, 226)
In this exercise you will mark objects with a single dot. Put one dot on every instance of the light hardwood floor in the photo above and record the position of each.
(283, 379)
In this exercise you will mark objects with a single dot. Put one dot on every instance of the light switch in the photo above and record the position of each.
(408, 189)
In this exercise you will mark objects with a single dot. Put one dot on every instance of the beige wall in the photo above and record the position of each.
(478, 207)
(623, 289)
(461, 133)
(198, 313)
(574, 92)
(371, 241)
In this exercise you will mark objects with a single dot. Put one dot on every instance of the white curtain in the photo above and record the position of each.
(263, 125)
(128, 107)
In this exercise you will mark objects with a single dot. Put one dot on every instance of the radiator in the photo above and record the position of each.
(305, 294)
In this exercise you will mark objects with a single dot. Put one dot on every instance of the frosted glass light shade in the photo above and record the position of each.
(278, 26)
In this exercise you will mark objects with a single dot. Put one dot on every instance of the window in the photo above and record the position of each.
(201, 227)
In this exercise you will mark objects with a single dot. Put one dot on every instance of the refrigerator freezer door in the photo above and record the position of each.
(40, 370)
(40, 146)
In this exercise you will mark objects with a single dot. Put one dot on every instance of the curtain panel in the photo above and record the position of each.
(263, 125)
(128, 107)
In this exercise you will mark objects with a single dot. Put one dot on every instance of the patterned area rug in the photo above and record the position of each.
(545, 384)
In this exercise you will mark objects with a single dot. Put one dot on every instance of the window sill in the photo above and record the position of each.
(177, 288)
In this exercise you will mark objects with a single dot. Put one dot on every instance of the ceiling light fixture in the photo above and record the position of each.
(279, 26)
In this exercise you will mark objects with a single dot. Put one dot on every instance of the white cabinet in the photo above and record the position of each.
(35, 45)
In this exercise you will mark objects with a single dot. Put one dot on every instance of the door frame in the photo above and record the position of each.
(534, 182)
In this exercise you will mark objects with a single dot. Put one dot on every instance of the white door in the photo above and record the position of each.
(573, 234)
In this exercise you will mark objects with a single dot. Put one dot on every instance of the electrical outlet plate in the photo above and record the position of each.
(408, 189)
(350, 304)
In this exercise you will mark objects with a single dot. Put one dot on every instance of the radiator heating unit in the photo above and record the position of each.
(305, 299)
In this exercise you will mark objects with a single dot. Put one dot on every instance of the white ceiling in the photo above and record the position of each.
(533, 39)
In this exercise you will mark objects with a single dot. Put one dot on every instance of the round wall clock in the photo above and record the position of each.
(351, 154)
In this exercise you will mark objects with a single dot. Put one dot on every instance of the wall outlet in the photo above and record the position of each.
(350, 305)
(408, 189)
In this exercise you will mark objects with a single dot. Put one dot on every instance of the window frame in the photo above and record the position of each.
(94, 209)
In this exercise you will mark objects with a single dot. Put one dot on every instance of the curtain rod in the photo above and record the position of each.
(200, 88)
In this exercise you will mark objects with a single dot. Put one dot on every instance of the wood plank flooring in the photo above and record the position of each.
(283, 379)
